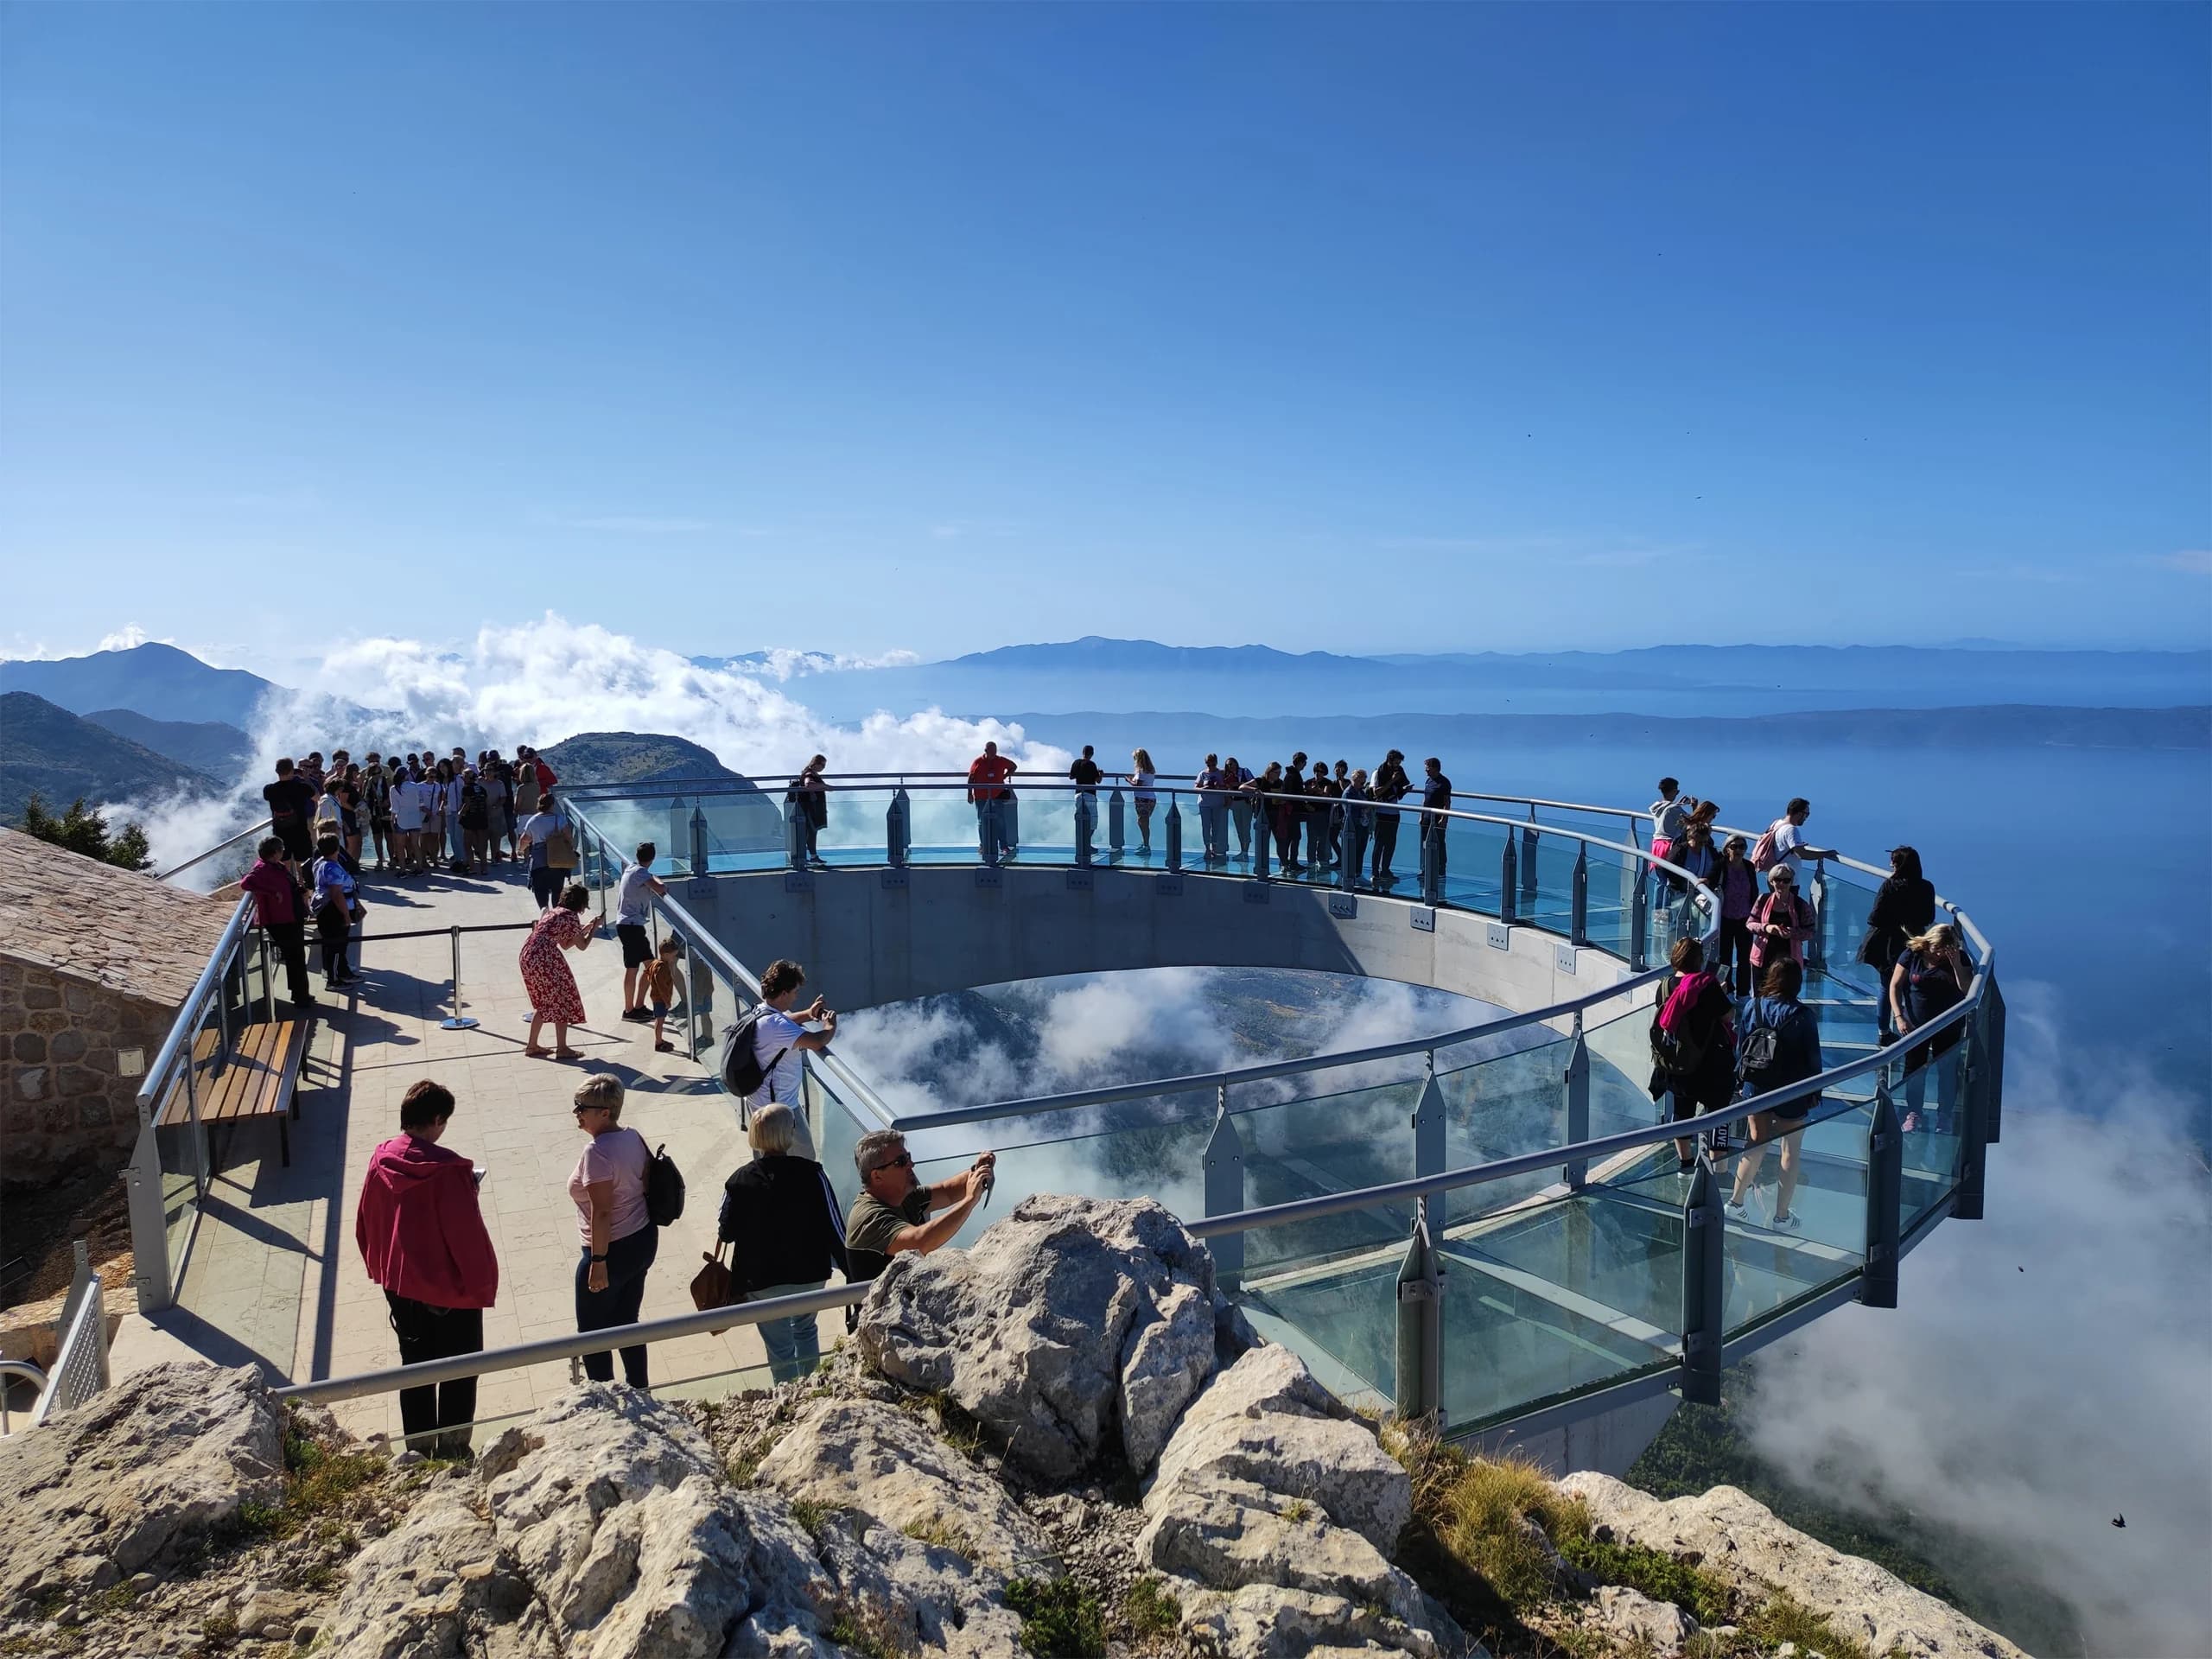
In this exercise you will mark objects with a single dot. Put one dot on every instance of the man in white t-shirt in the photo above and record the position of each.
(632, 896)
(1790, 846)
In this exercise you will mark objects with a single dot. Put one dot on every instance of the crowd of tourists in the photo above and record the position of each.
(1730, 1021)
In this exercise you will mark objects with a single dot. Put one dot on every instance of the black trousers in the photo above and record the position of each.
(1734, 951)
(628, 1260)
(545, 885)
(333, 928)
(1386, 844)
(426, 1332)
(290, 941)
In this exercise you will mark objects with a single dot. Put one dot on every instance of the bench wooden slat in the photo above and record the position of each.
(259, 1081)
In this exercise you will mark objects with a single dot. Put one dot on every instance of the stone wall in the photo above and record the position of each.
(67, 1045)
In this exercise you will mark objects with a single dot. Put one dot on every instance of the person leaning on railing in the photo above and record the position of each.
(781, 1219)
(279, 912)
(421, 1237)
(895, 1213)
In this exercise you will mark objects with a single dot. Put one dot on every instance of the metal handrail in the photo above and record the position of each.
(197, 858)
(83, 1349)
(188, 1016)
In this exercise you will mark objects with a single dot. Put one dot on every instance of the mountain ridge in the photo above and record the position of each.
(48, 751)
(158, 681)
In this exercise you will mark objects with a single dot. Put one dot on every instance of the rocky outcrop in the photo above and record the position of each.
(1634, 1620)
(1739, 1537)
(861, 1455)
(134, 1478)
(1073, 1327)
(1276, 1513)
(609, 1530)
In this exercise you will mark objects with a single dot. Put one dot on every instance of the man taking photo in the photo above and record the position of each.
(896, 1213)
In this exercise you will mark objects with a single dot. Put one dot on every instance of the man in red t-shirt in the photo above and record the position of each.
(986, 777)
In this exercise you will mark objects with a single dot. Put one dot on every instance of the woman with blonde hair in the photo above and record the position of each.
(1931, 978)
(780, 1219)
(1140, 782)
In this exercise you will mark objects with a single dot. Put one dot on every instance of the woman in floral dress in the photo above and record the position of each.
(552, 988)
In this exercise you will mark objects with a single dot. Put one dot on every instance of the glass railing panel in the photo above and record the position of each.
(1612, 1256)
(1844, 905)
(1926, 1095)
(1501, 1105)
(1474, 861)
(1336, 1142)
(1614, 879)
(1161, 1161)
(1545, 897)
(1771, 1263)
(1340, 1314)
(836, 1130)
(1619, 1038)
(1519, 1326)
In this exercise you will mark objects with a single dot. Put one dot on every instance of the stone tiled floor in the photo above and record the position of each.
(275, 1278)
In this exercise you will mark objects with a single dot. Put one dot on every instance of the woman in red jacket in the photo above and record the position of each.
(424, 1241)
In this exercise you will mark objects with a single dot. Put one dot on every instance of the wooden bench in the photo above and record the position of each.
(261, 1079)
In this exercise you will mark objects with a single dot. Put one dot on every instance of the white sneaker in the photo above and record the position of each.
(1789, 1223)
(1733, 1209)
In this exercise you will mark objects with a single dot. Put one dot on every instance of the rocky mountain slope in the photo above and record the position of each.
(152, 679)
(47, 751)
(1063, 1442)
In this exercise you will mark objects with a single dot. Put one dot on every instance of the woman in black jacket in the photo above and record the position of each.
(1904, 907)
(781, 1216)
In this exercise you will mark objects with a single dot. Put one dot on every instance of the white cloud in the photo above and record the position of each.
(2190, 562)
(779, 663)
(126, 637)
(2046, 1368)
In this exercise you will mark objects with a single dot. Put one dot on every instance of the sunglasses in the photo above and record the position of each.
(904, 1161)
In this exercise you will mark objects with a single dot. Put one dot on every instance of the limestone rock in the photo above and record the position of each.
(1229, 1534)
(858, 1454)
(904, 1596)
(1035, 1329)
(439, 1585)
(1739, 1538)
(129, 1480)
(1265, 1420)
(1167, 1362)
(1633, 1619)
(1267, 1622)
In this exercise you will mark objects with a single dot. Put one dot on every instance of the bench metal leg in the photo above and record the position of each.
(285, 1138)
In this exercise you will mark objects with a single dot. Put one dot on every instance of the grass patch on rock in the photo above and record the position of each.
(1151, 1609)
(1702, 1594)
(1061, 1619)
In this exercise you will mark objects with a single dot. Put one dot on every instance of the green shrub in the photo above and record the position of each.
(1150, 1609)
(1702, 1594)
(1061, 1619)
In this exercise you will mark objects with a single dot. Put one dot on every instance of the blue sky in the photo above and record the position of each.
(939, 326)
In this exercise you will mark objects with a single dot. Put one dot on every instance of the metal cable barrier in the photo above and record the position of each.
(1593, 1271)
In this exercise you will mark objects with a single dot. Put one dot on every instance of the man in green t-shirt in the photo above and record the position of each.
(896, 1213)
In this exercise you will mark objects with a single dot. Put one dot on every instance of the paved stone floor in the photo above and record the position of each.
(275, 1278)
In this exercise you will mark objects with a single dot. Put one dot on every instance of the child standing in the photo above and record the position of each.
(660, 989)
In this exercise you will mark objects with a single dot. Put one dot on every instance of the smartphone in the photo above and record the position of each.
(478, 1173)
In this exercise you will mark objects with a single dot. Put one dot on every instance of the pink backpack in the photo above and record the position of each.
(1763, 856)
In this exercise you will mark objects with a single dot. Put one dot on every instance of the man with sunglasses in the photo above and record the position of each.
(895, 1212)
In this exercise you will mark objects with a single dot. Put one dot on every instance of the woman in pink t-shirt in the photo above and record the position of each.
(620, 1239)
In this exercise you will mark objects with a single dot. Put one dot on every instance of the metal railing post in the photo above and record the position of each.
(1878, 1284)
(457, 1020)
(1086, 822)
(1429, 1156)
(1974, 1129)
(987, 830)
(1991, 1045)
(1578, 928)
(598, 852)
(1575, 1086)
(1508, 881)
(268, 979)
(1259, 810)
(1639, 925)
(200, 1179)
(794, 836)
(698, 839)
(1224, 1193)
(1815, 957)
(679, 833)
(1705, 1261)
(897, 831)
(1530, 840)
(1421, 1326)
(1431, 858)
(1114, 821)
(1174, 836)
(150, 1240)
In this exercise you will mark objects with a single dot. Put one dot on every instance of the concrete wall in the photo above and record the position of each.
(874, 936)
(68, 1045)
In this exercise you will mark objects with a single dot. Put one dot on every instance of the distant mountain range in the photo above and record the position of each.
(47, 751)
(1260, 682)
(210, 746)
(158, 681)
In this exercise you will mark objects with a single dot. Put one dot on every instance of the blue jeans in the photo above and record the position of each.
(628, 1260)
(794, 1345)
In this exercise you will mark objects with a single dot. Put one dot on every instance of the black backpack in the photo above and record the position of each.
(1755, 1056)
(742, 1072)
(663, 1189)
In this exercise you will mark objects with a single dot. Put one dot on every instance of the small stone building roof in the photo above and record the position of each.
(91, 921)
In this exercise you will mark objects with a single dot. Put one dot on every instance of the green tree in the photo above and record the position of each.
(82, 831)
